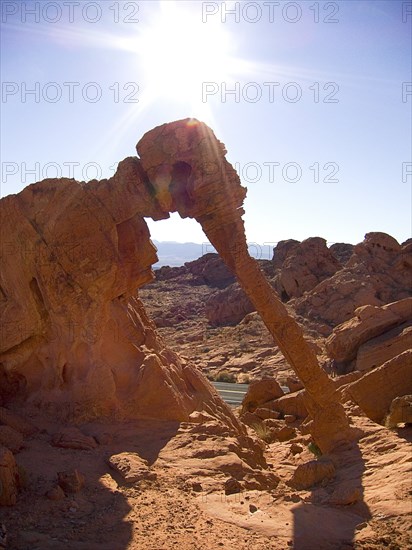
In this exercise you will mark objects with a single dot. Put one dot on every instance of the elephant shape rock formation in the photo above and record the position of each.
(75, 338)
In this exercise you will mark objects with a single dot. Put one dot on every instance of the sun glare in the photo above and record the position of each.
(178, 53)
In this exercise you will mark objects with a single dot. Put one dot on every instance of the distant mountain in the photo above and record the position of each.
(174, 254)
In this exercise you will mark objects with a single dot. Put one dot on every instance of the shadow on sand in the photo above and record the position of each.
(321, 525)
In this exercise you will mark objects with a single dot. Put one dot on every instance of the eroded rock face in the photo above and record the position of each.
(75, 336)
(369, 322)
(304, 265)
(378, 272)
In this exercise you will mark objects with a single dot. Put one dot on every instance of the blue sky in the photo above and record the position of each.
(312, 99)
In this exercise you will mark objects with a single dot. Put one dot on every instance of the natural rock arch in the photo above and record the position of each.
(72, 326)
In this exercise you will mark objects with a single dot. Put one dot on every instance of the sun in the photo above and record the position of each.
(179, 53)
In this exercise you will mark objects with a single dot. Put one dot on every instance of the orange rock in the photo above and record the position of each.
(369, 322)
(9, 478)
(260, 392)
(375, 391)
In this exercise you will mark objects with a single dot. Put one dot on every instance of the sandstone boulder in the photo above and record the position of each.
(131, 467)
(73, 438)
(260, 392)
(228, 307)
(400, 411)
(342, 252)
(71, 481)
(370, 321)
(311, 473)
(211, 270)
(304, 266)
(376, 390)
(290, 404)
(377, 351)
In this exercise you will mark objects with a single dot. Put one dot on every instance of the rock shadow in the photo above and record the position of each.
(324, 523)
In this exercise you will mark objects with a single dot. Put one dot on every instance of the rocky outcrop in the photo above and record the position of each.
(347, 339)
(209, 270)
(342, 252)
(75, 339)
(228, 307)
(378, 272)
(382, 348)
(375, 391)
(400, 411)
(74, 334)
(303, 266)
(260, 392)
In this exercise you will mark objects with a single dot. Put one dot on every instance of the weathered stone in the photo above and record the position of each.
(311, 473)
(370, 321)
(290, 404)
(265, 413)
(250, 419)
(232, 486)
(305, 265)
(293, 384)
(377, 351)
(131, 467)
(285, 433)
(73, 438)
(345, 495)
(375, 391)
(228, 307)
(296, 449)
(85, 347)
(400, 411)
(378, 272)
(260, 392)
(71, 481)
(9, 478)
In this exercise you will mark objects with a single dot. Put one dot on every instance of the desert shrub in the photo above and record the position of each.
(263, 432)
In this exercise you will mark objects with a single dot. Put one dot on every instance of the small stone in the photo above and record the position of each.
(310, 473)
(71, 481)
(232, 486)
(296, 449)
(290, 418)
(252, 508)
(285, 433)
(131, 467)
(197, 487)
(56, 493)
(343, 496)
(73, 438)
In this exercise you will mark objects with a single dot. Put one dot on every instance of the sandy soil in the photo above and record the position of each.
(185, 505)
